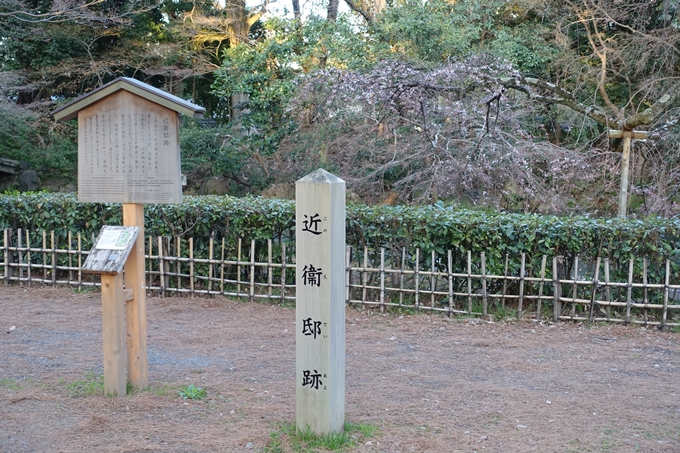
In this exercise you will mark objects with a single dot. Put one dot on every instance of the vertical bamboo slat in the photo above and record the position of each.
(505, 280)
(149, 264)
(44, 254)
(520, 301)
(178, 263)
(191, 266)
(449, 268)
(6, 235)
(433, 281)
(252, 270)
(161, 265)
(80, 262)
(469, 280)
(382, 280)
(222, 270)
(574, 289)
(557, 292)
(28, 257)
(364, 277)
(211, 256)
(593, 295)
(54, 242)
(283, 273)
(664, 312)
(485, 303)
(629, 291)
(348, 273)
(21, 253)
(607, 289)
(269, 268)
(401, 277)
(417, 279)
(645, 313)
(238, 269)
(70, 257)
(539, 301)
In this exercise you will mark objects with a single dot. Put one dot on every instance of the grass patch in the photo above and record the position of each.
(164, 390)
(306, 441)
(90, 385)
(9, 384)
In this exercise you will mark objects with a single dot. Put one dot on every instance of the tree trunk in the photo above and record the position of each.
(332, 11)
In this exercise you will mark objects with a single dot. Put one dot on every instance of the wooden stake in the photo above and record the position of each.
(138, 365)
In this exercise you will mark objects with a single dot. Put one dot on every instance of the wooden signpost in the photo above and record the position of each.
(107, 257)
(320, 303)
(128, 152)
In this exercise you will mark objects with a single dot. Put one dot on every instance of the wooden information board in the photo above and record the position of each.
(128, 152)
(111, 250)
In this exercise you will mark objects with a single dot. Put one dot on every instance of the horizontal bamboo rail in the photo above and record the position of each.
(265, 270)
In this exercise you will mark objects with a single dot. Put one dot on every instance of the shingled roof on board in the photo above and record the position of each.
(70, 110)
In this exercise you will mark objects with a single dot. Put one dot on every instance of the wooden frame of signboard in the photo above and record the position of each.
(128, 152)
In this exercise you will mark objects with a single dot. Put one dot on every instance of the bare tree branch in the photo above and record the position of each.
(358, 9)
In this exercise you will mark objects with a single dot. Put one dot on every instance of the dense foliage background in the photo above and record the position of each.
(498, 103)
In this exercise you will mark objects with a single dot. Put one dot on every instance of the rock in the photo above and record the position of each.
(217, 185)
(28, 181)
(282, 191)
(250, 445)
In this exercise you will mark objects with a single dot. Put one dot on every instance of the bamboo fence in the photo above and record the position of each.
(454, 284)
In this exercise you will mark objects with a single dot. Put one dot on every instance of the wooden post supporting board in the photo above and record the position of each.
(320, 303)
(113, 326)
(108, 256)
(138, 364)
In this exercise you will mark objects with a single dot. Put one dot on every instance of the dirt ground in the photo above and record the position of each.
(425, 383)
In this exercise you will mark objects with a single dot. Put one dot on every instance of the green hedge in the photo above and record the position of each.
(427, 227)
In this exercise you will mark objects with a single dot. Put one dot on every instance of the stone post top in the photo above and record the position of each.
(321, 176)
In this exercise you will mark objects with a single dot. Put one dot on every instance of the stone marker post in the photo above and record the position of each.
(320, 303)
